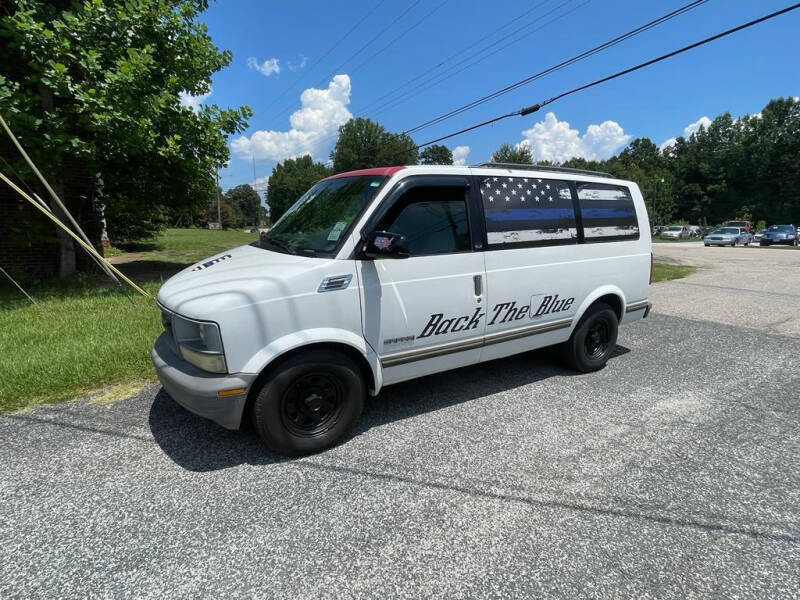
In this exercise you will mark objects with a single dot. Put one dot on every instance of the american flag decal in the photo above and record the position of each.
(382, 242)
(527, 209)
(521, 189)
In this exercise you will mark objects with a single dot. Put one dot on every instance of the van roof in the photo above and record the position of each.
(495, 165)
(389, 171)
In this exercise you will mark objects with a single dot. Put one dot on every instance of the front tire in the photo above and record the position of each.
(309, 402)
(593, 341)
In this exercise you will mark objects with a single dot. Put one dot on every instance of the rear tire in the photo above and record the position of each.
(309, 402)
(593, 341)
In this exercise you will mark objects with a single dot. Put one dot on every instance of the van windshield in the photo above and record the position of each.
(323, 216)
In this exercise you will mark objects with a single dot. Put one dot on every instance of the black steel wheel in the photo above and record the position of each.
(594, 339)
(312, 403)
(308, 402)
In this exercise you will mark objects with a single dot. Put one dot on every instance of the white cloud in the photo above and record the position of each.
(691, 128)
(555, 140)
(193, 102)
(668, 143)
(261, 183)
(460, 154)
(267, 68)
(296, 66)
(313, 128)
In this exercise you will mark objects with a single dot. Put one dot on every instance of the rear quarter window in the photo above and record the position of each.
(527, 211)
(607, 212)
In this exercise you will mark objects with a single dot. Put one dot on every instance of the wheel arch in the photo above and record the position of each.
(610, 294)
(280, 350)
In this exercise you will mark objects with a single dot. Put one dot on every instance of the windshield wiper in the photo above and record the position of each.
(279, 244)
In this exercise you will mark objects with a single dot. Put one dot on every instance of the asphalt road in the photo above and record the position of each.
(672, 473)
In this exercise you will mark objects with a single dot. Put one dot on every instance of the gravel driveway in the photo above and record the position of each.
(746, 286)
(672, 473)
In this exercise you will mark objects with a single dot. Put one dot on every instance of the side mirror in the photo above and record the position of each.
(384, 244)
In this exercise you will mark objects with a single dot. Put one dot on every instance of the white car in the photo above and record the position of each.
(383, 275)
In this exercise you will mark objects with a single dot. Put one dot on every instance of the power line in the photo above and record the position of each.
(455, 70)
(535, 107)
(305, 74)
(287, 108)
(559, 66)
(460, 52)
(402, 35)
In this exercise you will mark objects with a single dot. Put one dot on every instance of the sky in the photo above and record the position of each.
(307, 67)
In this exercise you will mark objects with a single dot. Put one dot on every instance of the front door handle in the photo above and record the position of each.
(478, 281)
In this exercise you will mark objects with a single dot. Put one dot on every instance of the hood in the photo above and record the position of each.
(232, 279)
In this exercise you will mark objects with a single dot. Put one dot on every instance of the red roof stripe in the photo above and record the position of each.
(389, 171)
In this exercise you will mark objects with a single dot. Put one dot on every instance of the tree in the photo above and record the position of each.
(364, 144)
(289, 180)
(95, 87)
(520, 154)
(436, 155)
(247, 203)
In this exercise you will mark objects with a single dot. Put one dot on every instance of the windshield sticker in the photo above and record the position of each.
(375, 184)
(336, 231)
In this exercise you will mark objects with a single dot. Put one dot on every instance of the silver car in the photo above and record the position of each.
(675, 232)
(728, 236)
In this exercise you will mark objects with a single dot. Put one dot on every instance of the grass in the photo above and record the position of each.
(665, 271)
(87, 337)
(79, 337)
(187, 246)
(658, 240)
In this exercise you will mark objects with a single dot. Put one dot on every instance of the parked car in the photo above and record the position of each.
(746, 225)
(383, 275)
(728, 236)
(695, 231)
(675, 232)
(758, 235)
(779, 234)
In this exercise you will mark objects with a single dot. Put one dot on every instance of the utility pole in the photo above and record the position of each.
(255, 182)
(219, 212)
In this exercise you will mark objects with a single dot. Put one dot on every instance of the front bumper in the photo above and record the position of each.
(196, 390)
(718, 242)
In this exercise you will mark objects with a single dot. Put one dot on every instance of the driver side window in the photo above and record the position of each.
(432, 219)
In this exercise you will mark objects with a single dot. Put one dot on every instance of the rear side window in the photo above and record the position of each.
(607, 212)
(528, 211)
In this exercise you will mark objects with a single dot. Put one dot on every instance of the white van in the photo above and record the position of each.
(383, 275)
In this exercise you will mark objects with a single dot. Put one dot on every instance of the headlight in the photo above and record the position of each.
(199, 343)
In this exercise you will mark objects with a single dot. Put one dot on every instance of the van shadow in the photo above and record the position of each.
(197, 444)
